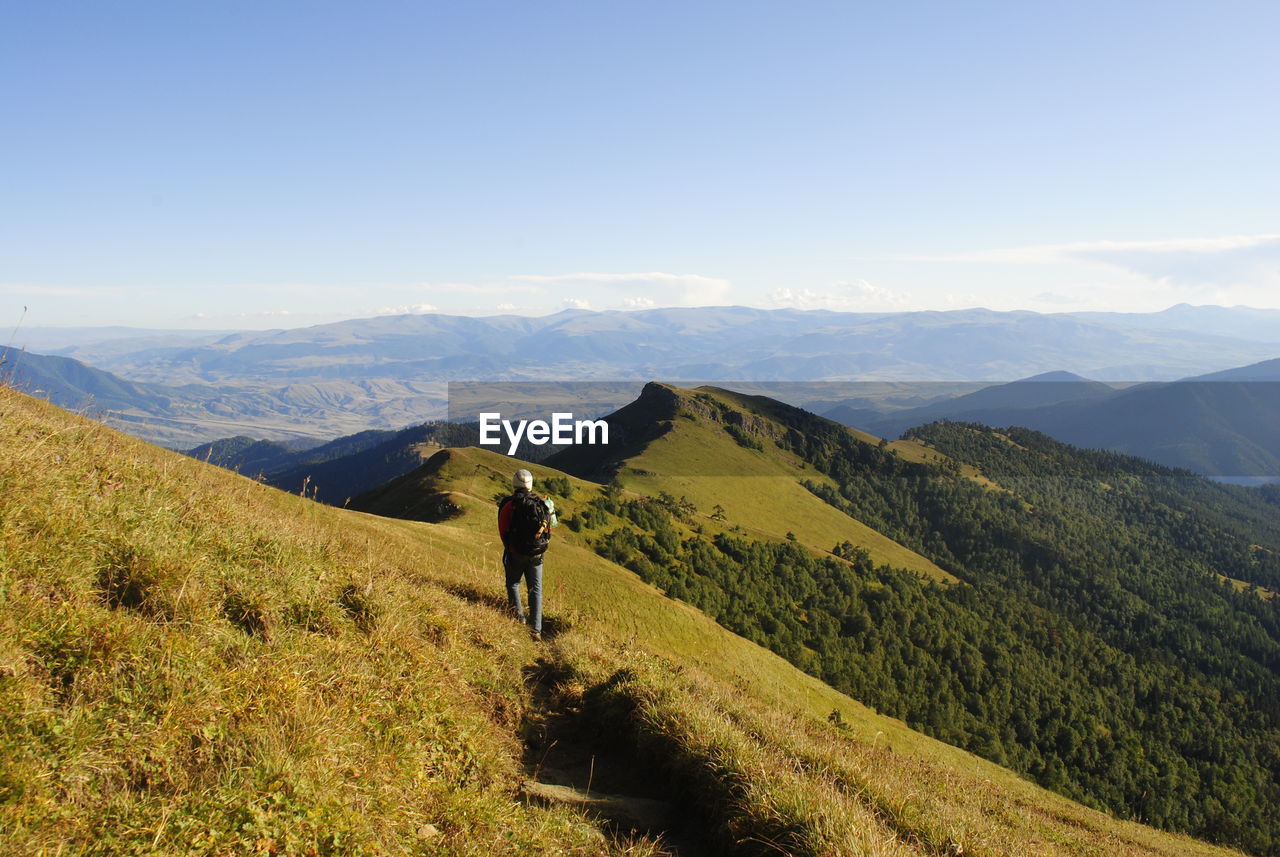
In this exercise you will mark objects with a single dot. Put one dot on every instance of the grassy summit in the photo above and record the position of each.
(691, 441)
(193, 663)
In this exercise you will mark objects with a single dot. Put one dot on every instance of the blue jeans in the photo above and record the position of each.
(518, 566)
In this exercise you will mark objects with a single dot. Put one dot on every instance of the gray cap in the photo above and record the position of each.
(522, 479)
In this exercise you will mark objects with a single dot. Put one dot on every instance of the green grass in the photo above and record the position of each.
(1244, 586)
(760, 491)
(192, 663)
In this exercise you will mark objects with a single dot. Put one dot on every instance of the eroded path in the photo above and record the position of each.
(574, 758)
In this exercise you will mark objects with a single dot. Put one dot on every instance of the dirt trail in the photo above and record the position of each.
(574, 761)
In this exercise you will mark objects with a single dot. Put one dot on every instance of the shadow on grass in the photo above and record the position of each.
(552, 626)
(577, 751)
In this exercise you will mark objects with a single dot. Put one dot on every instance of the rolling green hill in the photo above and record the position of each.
(674, 440)
(194, 663)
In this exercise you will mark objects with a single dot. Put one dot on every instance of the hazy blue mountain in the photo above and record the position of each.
(72, 385)
(335, 471)
(1262, 325)
(1049, 388)
(1267, 370)
(179, 416)
(1220, 424)
(87, 342)
(1218, 428)
(246, 455)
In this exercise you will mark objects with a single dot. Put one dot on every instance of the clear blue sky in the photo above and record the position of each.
(253, 164)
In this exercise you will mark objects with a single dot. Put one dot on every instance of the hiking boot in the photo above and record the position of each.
(537, 636)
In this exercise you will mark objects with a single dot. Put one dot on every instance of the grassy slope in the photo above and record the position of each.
(932, 791)
(760, 491)
(763, 496)
(194, 663)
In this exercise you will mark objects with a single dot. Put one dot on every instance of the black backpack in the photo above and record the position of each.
(530, 524)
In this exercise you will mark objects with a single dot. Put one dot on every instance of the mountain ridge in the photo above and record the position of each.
(723, 342)
(389, 372)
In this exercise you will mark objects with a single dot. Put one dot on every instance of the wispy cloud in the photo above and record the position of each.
(406, 309)
(660, 287)
(857, 295)
(1227, 260)
(1245, 260)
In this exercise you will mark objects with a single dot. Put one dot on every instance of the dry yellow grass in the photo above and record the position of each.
(197, 664)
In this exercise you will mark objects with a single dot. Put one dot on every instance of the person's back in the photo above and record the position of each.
(524, 523)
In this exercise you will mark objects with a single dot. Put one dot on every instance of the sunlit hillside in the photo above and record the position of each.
(193, 663)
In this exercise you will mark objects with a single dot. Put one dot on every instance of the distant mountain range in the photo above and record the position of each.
(388, 372)
(192, 413)
(737, 343)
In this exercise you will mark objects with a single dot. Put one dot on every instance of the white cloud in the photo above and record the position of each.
(666, 289)
(505, 307)
(855, 296)
(1228, 262)
(1234, 260)
(577, 303)
(1101, 250)
(407, 309)
(639, 303)
(1133, 275)
(1053, 298)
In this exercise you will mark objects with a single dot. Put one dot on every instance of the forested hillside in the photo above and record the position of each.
(1108, 638)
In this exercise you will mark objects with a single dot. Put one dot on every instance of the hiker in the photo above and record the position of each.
(524, 522)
